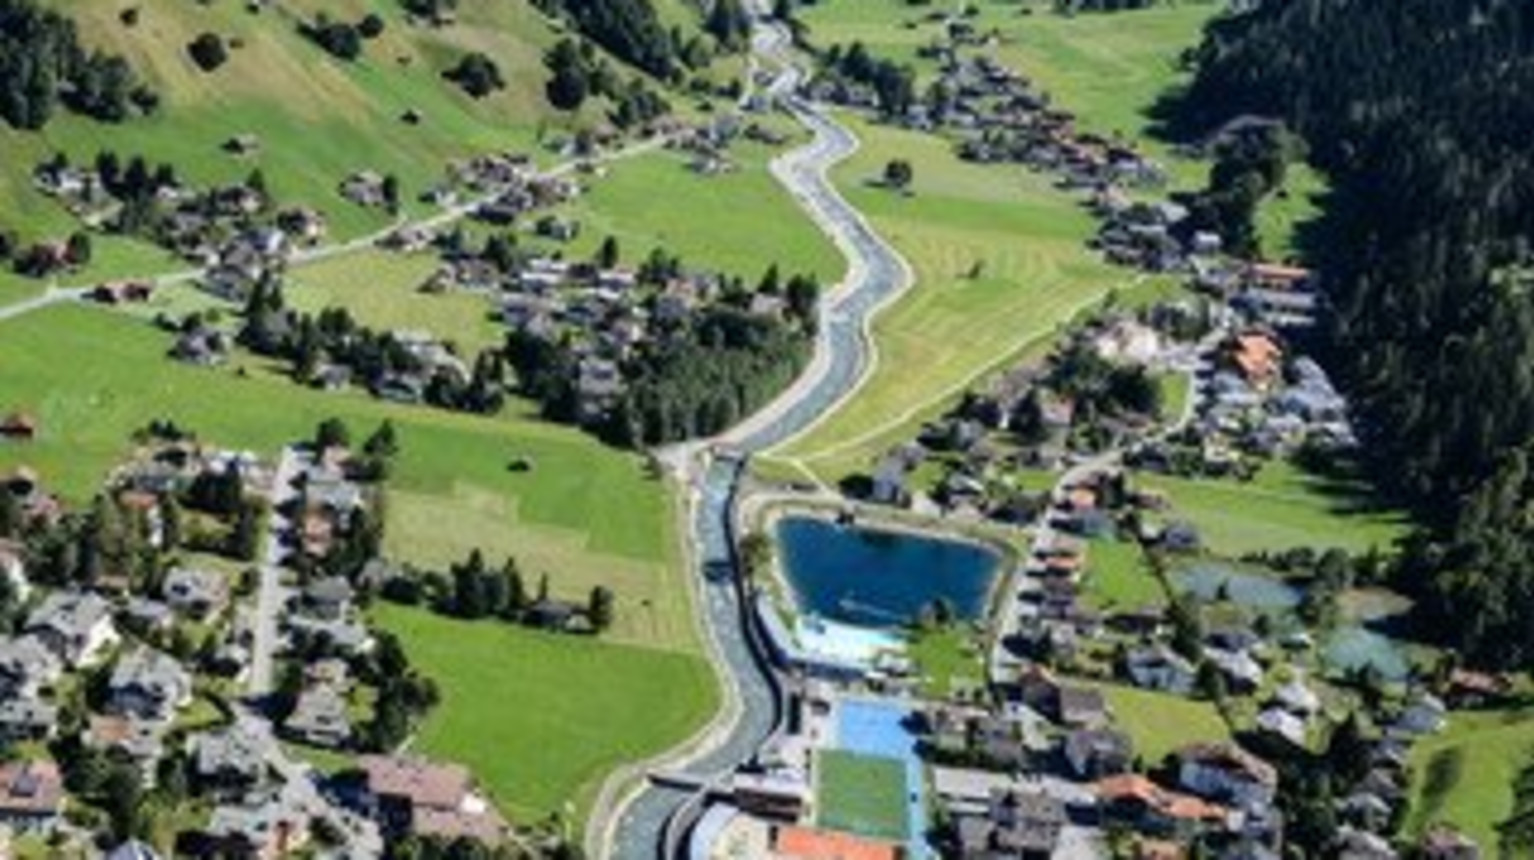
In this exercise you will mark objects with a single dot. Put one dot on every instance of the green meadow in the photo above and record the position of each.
(543, 718)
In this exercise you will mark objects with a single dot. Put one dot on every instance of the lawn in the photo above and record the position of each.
(543, 718)
(584, 513)
(861, 794)
(1160, 723)
(380, 290)
(1465, 775)
(948, 660)
(999, 265)
(1283, 507)
(1117, 577)
(739, 223)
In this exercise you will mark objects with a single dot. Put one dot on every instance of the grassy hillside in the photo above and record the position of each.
(317, 118)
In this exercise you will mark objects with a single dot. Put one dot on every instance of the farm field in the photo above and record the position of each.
(1464, 776)
(1282, 507)
(999, 265)
(861, 794)
(93, 377)
(542, 718)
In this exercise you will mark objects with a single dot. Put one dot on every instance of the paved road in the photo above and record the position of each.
(876, 274)
(272, 594)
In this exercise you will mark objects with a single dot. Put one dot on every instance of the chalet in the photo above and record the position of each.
(27, 666)
(1442, 842)
(1097, 753)
(412, 795)
(31, 796)
(1284, 725)
(27, 720)
(195, 592)
(267, 827)
(1226, 773)
(148, 685)
(1469, 689)
(1018, 823)
(364, 188)
(1426, 714)
(329, 598)
(18, 427)
(202, 346)
(141, 742)
(232, 758)
(319, 717)
(76, 626)
(1255, 356)
(302, 224)
(1134, 801)
(1081, 707)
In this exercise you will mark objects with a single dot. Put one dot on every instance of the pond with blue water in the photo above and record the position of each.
(877, 578)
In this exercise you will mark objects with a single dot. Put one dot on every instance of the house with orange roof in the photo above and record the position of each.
(1257, 356)
(1136, 801)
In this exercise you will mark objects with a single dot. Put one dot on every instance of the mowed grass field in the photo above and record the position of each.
(1283, 507)
(543, 718)
(1161, 723)
(999, 264)
(739, 223)
(1477, 757)
(584, 514)
(381, 290)
(861, 794)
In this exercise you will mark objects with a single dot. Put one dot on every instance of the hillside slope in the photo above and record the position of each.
(317, 118)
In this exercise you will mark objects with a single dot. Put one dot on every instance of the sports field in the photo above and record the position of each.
(543, 718)
(861, 794)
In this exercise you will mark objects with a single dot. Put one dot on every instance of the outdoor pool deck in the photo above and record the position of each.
(876, 728)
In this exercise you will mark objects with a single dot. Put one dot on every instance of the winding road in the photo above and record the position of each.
(843, 357)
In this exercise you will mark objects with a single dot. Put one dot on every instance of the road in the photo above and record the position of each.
(876, 274)
(272, 594)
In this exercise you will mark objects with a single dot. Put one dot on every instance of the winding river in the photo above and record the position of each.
(876, 273)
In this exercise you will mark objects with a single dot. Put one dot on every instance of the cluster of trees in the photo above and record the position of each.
(431, 10)
(333, 336)
(43, 64)
(476, 74)
(473, 590)
(208, 51)
(893, 84)
(577, 72)
(1417, 110)
(695, 377)
(729, 23)
(630, 30)
(342, 39)
(1249, 164)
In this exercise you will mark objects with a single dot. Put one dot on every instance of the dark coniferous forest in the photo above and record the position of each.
(1421, 113)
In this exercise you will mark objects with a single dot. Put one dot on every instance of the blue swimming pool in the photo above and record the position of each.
(877, 578)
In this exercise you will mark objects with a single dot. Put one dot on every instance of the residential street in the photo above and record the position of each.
(273, 594)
